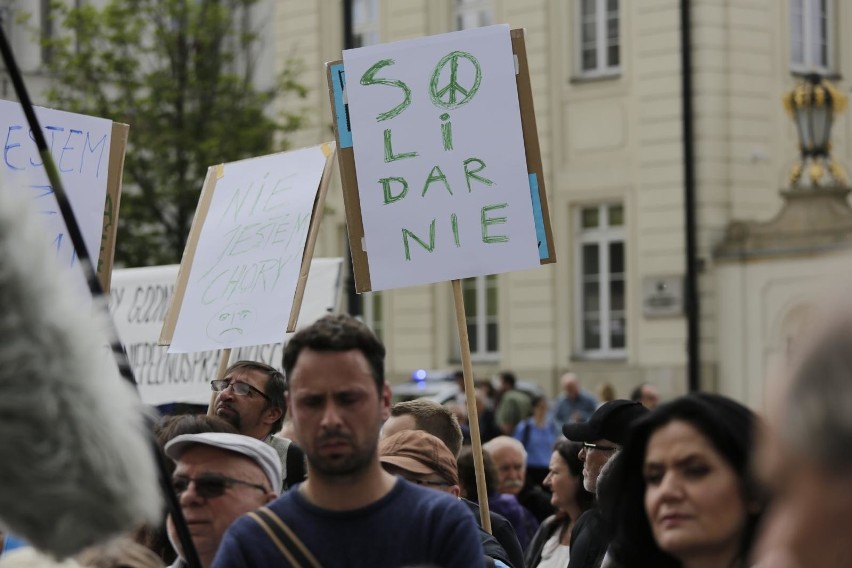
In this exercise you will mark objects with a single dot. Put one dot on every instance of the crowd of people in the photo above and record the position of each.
(352, 480)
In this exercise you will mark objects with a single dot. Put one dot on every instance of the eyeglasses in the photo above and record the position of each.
(240, 388)
(210, 485)
(590, 447)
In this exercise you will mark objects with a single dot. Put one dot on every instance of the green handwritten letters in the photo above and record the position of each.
(450, 95)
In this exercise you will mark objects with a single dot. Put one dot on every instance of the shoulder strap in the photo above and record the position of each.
(525, 437)
(290, 545)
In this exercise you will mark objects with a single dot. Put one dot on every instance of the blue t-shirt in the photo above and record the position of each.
(581, 410)
(537, 441)
(410, 526)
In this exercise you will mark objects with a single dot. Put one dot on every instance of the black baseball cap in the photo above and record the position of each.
(611, 421)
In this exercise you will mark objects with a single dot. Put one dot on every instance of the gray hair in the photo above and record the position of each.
(818, 419)
(500, 442)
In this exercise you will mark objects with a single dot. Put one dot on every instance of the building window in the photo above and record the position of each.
(365, 22)
(810, 36)
(373, 314)
(602, 315)
(480, 310)
(473, 14)
(598, 42)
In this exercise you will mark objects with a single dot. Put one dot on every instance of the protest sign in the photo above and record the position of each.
(440, 163)
(249, 249)
(139, 301)
(441, 169)
(88, 153)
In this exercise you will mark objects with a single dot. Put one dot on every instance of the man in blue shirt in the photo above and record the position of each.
(576, 404)
(349, 512)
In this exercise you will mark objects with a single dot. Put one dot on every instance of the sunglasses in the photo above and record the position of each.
(240, 388)
(590, 447)
(209, 485)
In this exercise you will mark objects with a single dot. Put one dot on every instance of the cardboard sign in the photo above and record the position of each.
(139, 301)
(443, 180)
(249, 251)
(88, 153)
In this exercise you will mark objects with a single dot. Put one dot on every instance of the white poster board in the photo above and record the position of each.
(80, 147)
(439, 155)
(139, 300)
(246, 264)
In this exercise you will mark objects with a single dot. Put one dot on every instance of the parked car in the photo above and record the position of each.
(440, 386)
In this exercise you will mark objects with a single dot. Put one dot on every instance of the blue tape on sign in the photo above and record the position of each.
(540, 234)
(341, 107)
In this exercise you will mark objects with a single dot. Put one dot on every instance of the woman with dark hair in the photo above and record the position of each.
(685, 497)
(550, 548)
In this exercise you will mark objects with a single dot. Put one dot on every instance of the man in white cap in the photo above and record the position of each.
(219, 477)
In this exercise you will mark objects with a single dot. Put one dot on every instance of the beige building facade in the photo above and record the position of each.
(607, 85)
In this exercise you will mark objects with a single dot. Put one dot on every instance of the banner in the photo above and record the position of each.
(139, 301)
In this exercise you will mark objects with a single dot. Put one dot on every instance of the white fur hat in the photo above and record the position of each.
(263, 454)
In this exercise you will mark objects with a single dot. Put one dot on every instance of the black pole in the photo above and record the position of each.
(99, 299)
(693, 306)
(354, 305)
(348, 36)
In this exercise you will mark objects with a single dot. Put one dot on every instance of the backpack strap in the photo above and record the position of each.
(525, 436)
(284, 539)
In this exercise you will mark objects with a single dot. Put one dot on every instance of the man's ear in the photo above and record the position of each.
(386, 401)
(273, 413)
(270, 496)
(455, 490)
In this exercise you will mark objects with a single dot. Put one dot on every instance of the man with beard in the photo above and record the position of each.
(510, 459)
(251, 398)
(349, 511)
(602, 437)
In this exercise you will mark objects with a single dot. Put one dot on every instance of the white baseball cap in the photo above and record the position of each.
(262, 453)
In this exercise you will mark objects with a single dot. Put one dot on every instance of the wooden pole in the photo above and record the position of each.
(472, 416)
(224, 357)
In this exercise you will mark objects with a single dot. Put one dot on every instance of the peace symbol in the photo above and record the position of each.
(453, 95)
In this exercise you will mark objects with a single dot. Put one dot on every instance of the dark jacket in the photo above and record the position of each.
(588, 544)
(550, 525)
(505, 536)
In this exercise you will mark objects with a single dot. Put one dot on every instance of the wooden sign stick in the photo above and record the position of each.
(472, 416)
(224, 358)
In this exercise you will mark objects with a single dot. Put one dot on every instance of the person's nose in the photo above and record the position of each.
(227, 393)
(671, 487)
(547, 481)
(331, 416)
(582, 454)
(189, 497)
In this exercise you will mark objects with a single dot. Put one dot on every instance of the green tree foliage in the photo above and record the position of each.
(179, 72)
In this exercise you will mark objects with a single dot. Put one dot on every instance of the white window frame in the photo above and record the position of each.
(603, 236)
(805, 26)
(473, 14)
(479, 351)
(602, 68)
(367, 27)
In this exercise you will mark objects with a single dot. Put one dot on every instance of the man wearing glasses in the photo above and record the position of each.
(602, 437)
(218, 478)
(251, 397)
